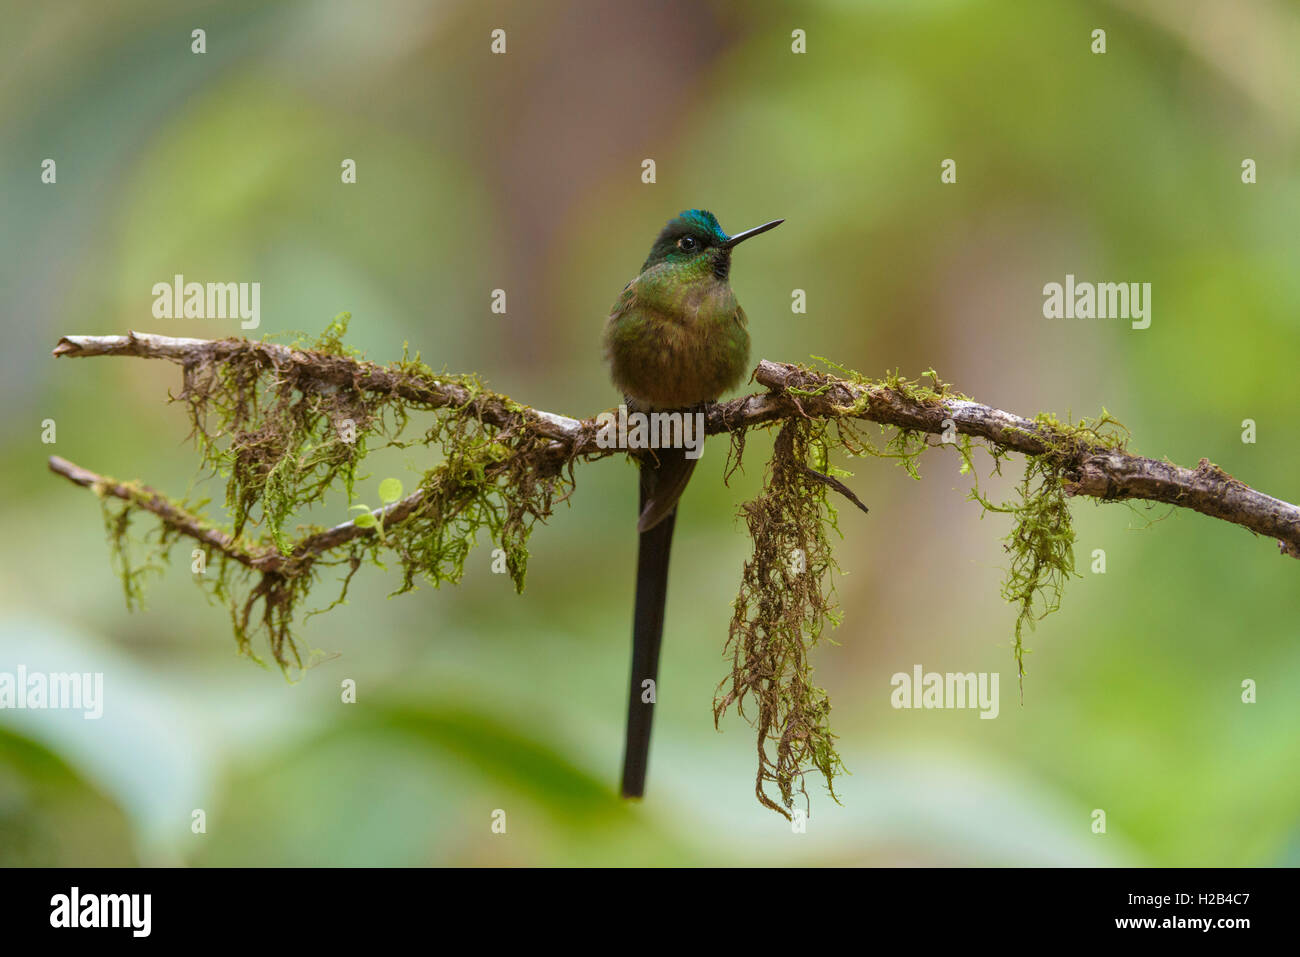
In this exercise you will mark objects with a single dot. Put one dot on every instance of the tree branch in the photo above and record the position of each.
(260, 558)
(1092, 469)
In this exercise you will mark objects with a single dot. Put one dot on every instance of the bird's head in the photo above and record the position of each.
(694, 237)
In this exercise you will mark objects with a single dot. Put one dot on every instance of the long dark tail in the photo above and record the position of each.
(662, 483)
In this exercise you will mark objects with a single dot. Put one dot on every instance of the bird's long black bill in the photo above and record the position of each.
(749, 233)
(655, 546)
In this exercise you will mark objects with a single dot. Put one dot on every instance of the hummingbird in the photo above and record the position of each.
(675, 339)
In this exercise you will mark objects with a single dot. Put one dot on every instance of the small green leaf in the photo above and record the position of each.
(390, 490)
(364, 520)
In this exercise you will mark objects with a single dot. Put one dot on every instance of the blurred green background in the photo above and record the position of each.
(522, 171)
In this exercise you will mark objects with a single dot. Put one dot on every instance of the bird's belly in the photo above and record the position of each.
(671, 364)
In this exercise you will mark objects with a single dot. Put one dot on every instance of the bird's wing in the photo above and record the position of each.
(740, 318)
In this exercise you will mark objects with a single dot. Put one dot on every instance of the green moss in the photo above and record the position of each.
(786, 599)
(1041, 546)
(281, 440)
(331, 340)
(778, 616)
(1041, 541)
(117, 523)
(498, 480)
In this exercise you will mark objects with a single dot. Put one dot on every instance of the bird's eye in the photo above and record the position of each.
(687, 244)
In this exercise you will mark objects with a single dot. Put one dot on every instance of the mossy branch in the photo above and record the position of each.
(285, 423)
(1092, 468)
(1091, 465)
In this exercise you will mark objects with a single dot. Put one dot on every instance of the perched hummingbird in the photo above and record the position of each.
(676, 338)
